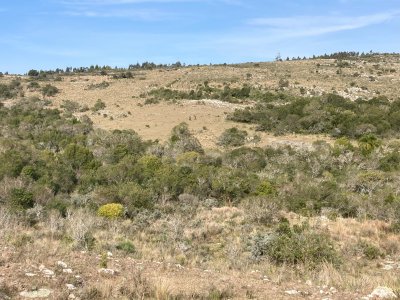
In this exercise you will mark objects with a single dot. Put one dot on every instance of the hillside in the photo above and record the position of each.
(270, 180)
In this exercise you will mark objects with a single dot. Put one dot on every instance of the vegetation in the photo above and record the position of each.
(329, 114)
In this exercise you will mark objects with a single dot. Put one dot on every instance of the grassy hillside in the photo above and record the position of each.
(220, 182)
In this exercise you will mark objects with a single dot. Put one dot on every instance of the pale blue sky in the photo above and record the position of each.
(45, 34)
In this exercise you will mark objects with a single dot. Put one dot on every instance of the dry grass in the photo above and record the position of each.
(207, 118)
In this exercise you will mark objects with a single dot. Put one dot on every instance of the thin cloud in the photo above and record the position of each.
(142, 14)
(317, 25)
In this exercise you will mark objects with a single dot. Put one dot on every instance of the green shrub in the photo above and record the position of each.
(294, 245)
(99, 105)
(49, 90)
(111, 211)
(369, 250)
(21, 199)
(126, 246)
(233, 137)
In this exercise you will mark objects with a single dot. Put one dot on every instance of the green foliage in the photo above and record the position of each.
(127, 247)
(79, 157)
(21, 199)
(111, 211)
(103, 260)
(49, 90)
(205, 91)
(246, 158)
(329, 114)
(368, 143)
(102, 85)
(33, 73)
(11, 90)
(99, 105)
(294, 245)
(182, 140)
(233, 137)
(369, 250)
(265, 188)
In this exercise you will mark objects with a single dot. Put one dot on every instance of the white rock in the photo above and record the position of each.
(71, 296)
(70, 286)
(387, 267)
(62, 264)
(292, 292)
(47, 273)
(109, 254)
(68, 271)
(107, 271)
(30, 274)
(383, 292)
(40, 293)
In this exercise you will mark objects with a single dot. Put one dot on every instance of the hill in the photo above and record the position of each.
(252, 181)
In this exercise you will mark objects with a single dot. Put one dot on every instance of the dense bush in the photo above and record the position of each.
(330, 114)
(49, 90)
(233, 137)
(62, 158)
(294, 245)
(111, 211)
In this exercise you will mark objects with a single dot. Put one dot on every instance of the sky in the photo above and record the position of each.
(49, 34)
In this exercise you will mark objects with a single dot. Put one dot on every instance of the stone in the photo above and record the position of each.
(40, 293)
(68, 271)
(292, 292)
(47, 273)
(383, 292)
(30, 274)
(107, 271)
(62, 264)
(70, 286)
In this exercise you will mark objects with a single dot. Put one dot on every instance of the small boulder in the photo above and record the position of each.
(383, 292)
(62, 264)
(40, 293)
(109, 272)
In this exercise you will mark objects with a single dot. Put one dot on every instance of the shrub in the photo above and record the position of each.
(111, 211)
(294, 245)
(99, 105)
(232, 137)
(49, 90)
(33, 73)
(21, 199)
(126, 246)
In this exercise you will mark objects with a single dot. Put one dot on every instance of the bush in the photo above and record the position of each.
(49, 90)
(111, 211)
(294, 245)
(233, 137)
(126, 246)
(33, 73)
(21, 199)
(99, 105)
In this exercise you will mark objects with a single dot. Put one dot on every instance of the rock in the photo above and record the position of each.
(107, 271)
(109, 254)
(292, 292)
(48, 273)
(40, 293)
(68, 271)
(71, 296)
(70, 286)
(383, 292)
(62, 264)
(387, 267)
(30, 274)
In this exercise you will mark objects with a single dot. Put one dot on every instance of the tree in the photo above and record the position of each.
(33, 73)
